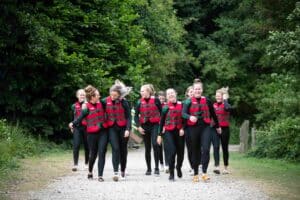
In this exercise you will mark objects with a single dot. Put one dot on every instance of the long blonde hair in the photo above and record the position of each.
(223, 90)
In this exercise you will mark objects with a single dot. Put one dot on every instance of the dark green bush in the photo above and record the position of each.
(280, 140)
(16, 143)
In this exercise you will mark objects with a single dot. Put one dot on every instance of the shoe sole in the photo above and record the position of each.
(217, 171)
(115, 178)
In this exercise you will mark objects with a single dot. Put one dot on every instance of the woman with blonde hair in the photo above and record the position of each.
(222, 109)
(79, 132)
(147, 117)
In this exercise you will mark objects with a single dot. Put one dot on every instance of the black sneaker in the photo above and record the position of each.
(156, 171)
(179, 173)
(90, 176)
(216, 171)
(171, 177)
(148, 173)
(100, 179)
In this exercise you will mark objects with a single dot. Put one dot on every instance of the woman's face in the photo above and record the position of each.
(162, 98)
(171, 96)
(144, 93)
(219, 97)
(190, 93)
(197, 91)
(81, 96)
(96, 97)
(114, 95)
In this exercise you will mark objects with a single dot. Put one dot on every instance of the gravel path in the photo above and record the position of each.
(138, 186)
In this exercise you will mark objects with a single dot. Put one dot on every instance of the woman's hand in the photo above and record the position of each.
(193, 119)
(159, 140)
(181, 132)
(141, 130)
(126, 134)
(71, 126)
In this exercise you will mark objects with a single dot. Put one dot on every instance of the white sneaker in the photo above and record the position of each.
(167, 169)
(116, 177)
(86, 166)
(123, 176)
(75, 168)
(225, 171)
(191, 172)
(162, 167)
(217, 170)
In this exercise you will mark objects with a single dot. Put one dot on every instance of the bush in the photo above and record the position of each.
(234, 132)
(16, 143)
(280, 139)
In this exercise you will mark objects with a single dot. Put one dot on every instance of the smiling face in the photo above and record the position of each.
(145, 93)
(197, 90)
(80, 95)
(171, 95)
(190, 93)
(219, 97)
(162, 99)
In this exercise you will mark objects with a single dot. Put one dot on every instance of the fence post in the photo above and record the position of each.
(253, 137)
(244, 134)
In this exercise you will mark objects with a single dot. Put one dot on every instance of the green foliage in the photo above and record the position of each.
(277, 97)
(165, 34)
(52, 49)
(279, 139)
(234, 132)
(16, 143)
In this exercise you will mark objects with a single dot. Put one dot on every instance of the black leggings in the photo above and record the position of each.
(97, 145)
(123, 141)
(188, 145)
(161, 157)
(115, 133)
(79, 135)
(175, 146)
(200, 142)
(151, 132)
(216, 144)
(224, 138)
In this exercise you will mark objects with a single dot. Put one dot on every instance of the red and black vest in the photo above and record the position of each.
(223, 116)
(199, 109)
(96, 115)
(149, 111)
(77, 112)
(173, 117)
(115, 113)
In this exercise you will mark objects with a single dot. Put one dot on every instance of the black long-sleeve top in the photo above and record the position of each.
(126, 107)
(227, 106)
(137, 109)
(186, 108)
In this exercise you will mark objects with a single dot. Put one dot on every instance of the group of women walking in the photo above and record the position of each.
(164, 125)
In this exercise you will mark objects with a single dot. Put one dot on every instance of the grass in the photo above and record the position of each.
(35, 173)
(277, 178)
